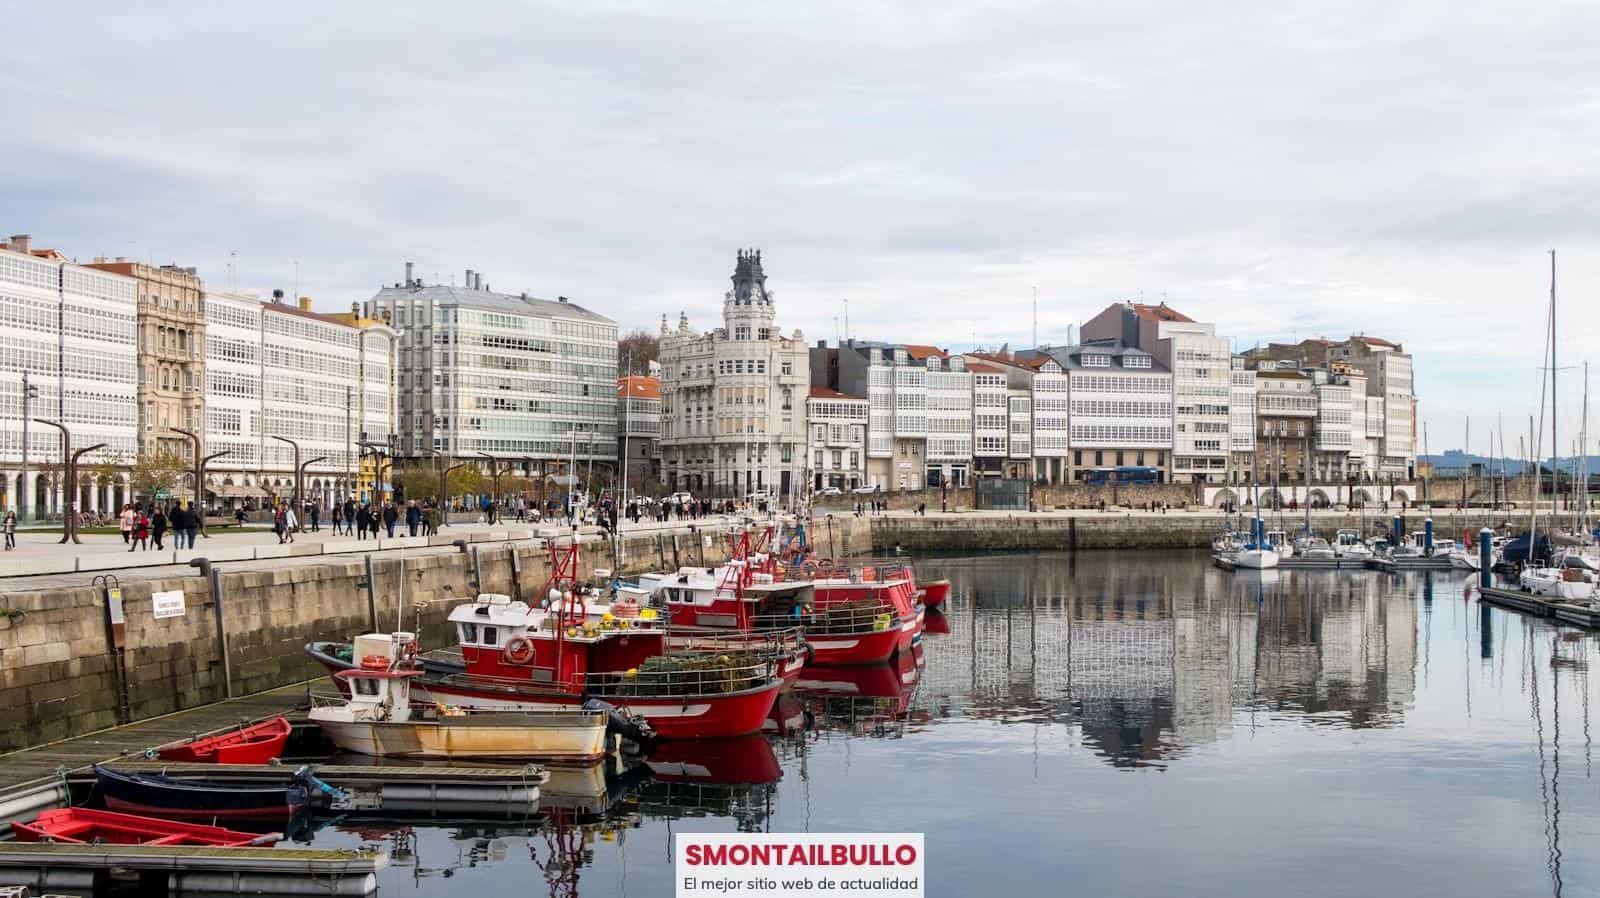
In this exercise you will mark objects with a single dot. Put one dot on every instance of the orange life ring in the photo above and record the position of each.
(374, 662)
(518, 650)
(869, 574)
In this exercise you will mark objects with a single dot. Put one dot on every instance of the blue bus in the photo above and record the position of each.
(1123, 475)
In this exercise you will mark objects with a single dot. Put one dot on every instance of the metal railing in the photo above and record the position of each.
(706, 677)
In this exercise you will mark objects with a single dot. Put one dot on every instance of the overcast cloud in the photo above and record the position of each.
(1397, 169)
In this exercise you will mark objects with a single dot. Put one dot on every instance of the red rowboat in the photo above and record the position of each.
(255, 744)
(81, 826)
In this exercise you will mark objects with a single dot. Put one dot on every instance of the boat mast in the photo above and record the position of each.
(1555, 444)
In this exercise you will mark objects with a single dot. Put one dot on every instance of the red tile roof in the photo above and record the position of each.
(825, 393)
(985, 368)
(921, 352)
(1376, 341)
(640, 386)
(1162, 312)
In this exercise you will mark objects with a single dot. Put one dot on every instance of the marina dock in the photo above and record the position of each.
(1581, 615)
(31, 779)
(169, 869)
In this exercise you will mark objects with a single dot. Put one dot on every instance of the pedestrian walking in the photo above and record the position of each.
(141, 532)
(125, 523)
(158, 527)
(390, 515)
(280, 522)
(362, 519)
(11, 530)
(413, 517)
(192, 521)
(316, 516)
(291, 523)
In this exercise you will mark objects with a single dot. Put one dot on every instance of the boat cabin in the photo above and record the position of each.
(559, 644)
(714, 597)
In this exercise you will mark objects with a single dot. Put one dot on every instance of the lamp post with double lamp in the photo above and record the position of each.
(200, 463)
(69, 518)
(300, 476)
(379, 452)
(299, 509)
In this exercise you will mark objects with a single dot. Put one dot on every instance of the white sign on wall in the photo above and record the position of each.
(167, 604)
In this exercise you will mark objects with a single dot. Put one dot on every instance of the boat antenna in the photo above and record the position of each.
(400, 595)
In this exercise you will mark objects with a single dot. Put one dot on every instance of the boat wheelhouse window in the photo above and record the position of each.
(469, 633)
(491, 635)
(365, 685)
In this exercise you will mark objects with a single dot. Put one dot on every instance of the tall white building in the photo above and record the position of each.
(1120, 407)
(278, 369)
(1201, 364)
(733, 400)
(1242, 421)
(1388, 370)
(919, 409)
(72, 330)
(526, 380)
(1036, 411)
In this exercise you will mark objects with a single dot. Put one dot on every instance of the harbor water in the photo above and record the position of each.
(1115, 723)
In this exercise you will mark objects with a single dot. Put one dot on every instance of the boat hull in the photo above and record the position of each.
(516, 737)
(260, 743)
(867, 647)
(706, 716)
(189, 799)
(83, 826)
(934, 592)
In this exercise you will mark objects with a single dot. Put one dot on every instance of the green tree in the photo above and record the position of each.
(152, 473)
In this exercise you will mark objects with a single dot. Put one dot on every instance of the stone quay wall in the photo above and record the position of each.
(59, 674)
(1019, 532)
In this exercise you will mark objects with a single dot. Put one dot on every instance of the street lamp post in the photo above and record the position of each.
(69, 459)
(200, 463)
(299, 509)
(299, 478)
(379, 452)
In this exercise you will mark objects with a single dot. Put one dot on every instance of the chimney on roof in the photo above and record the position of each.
(408, 275)
(277, 297)
(21, 243)
(477, 280)
(121, 259)
(355, 307)
(305, 303)
(561, 299)
(468, 282)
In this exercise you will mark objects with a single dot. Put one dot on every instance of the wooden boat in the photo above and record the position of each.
(379, 719)
(189, 799)
(82, 826)
(255, 744)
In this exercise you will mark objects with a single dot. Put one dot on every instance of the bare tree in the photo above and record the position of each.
(636, 350)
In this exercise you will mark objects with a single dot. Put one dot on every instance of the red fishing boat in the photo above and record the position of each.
(81, 826)
(889, 583)
(573, 647)
(753, 594)
(254, 744)
(933, 592)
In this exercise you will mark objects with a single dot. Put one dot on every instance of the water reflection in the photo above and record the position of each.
(1073, 711)
(1150, 660)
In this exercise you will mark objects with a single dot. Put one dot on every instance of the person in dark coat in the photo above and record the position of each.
(158, 527)
(390, 515)
(363, 520)
(413, 517)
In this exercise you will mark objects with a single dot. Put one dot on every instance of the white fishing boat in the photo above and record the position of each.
(379, 718)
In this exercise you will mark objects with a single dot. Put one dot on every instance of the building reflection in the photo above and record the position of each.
(1148, 660)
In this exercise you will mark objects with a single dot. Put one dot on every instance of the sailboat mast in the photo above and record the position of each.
(1555, 445)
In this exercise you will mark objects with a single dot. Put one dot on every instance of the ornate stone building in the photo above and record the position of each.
(733, 400)
(171, 329)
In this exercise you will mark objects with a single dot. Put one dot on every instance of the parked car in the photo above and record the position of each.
(830, 491)
(865, 489)
(681, 498)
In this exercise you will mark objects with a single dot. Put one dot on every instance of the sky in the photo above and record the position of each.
(1280, 170)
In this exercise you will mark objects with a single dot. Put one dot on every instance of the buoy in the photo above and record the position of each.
(374, 662)
(631, 672)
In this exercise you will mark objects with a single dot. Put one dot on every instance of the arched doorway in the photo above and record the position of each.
(1318, 499)
(1225, 499)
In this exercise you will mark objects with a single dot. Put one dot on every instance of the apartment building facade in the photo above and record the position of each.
(733, 400)
(1201, 364)
(488, 375)
(72, 330)
(639, 428)
(276, 371)
(836, 448)
(171, 354)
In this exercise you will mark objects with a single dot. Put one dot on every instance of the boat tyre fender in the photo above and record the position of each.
(518, 651)
(374, 662)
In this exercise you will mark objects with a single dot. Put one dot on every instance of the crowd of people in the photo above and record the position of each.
(145, 525)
